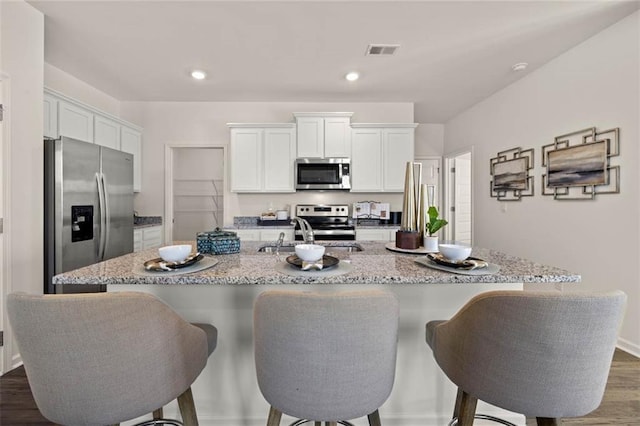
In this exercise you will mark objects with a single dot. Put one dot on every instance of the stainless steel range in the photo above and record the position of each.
(329, 221)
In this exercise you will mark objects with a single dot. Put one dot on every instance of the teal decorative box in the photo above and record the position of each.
(218, 242)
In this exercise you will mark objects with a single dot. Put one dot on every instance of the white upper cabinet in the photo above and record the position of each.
(397, 149)
(75, 122)
(106, 132)
(246, 159)
(131, 142)
(262, 157)
(50, 114)
(366, 161)
(323, 134)
(279, 157)
(64, 116)
(379, 155)
(310, 137)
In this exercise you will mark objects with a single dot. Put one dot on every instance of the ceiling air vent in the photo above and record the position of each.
(382, 49)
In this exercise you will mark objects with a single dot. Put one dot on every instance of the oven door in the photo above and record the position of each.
(322, 174)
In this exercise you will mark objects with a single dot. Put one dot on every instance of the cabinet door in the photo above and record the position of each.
(131, 142)
(75, 122)
(246, 160)
(397, 149)
(247, 234)
(106, 132)
(310, 137)
(279, 157)
(50, 111)
(337, 137)
(273, 234)
(137, 240)
(151, 237)
(372, 234)
(366, 163)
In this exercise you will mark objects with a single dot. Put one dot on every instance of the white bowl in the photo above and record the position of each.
(176, 253)
(454, 252)
(310, 252)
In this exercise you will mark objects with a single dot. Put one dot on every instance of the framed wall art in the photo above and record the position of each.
(510, 174)
(578, 165)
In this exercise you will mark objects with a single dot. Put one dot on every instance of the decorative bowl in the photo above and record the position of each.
(454, 252)
(309, 252)
(176, 253)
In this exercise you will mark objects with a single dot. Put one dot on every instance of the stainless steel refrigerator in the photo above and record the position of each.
(88, 191)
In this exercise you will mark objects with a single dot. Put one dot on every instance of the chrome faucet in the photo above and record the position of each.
(305, 228)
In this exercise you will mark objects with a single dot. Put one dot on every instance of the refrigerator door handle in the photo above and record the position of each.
(103, 217)
(107, 225)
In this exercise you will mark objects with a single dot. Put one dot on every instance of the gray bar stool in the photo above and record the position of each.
(326, 357)
(545, 355)
(104, 358)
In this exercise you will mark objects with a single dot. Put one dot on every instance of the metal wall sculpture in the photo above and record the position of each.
(510, 179)
(578, 165)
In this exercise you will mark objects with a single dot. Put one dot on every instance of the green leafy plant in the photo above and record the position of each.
(434, 223)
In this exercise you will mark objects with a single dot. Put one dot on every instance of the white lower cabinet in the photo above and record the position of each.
(379, 154)
(247, 234)
(273, 235)
(267, 235)
(372, 234)
(146, 238)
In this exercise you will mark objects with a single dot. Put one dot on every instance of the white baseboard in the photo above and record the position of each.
(16, 361)
(629, 347)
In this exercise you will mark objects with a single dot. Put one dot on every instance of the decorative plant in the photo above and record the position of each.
(434, 223)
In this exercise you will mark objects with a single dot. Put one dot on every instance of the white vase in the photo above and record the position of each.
(431, 243)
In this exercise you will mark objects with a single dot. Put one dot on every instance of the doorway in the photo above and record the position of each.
(458, 197)
(194, 190)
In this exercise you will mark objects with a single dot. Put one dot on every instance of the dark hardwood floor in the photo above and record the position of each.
(620, 406)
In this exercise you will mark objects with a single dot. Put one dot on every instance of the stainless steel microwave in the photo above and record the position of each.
(323, 174)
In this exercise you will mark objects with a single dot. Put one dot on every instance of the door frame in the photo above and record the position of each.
(168, 181)
(6, 351)
(449, 191)
(440, 189)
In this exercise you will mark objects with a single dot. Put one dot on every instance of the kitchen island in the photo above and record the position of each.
(226, 393)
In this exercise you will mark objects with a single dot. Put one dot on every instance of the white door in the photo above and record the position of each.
(458, 202)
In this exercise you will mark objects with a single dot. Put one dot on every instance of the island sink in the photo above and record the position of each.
(288, 248)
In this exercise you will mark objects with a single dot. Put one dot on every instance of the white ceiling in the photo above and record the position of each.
(452, 55)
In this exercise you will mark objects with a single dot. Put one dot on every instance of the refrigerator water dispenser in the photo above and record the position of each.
(81, 223)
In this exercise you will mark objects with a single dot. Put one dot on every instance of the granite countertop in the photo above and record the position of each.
(146, 221)
(374, 265)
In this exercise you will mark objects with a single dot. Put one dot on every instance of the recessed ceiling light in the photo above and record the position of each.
(198, 75)
(520, 66)
(352, 76)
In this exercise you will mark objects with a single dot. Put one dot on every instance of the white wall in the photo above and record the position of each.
(22, 50)
(205, 123)
(429, 140)
(593, 84)
(63, 82)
